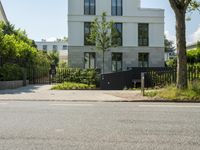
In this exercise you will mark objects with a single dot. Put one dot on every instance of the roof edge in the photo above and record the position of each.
(3, 12)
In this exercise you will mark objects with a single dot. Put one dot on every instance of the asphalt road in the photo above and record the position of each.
(99, 126)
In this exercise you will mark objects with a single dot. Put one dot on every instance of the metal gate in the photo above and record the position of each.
(39, 74)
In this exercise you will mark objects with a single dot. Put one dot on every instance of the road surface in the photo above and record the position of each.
(99, 126)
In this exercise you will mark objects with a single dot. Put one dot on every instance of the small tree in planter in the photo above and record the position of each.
(102, 33)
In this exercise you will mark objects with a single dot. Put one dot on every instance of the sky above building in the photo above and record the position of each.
(47, 19)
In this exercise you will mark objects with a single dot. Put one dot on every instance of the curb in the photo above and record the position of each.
(104, 101)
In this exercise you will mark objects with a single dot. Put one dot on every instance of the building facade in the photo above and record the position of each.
(60, 47)
(141, 30)
(2, 14)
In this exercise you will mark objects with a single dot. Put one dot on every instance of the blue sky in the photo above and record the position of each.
(47, 19)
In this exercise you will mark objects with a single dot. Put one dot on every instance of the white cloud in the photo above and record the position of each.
(170, 36)
(51, 39)
(196, 35)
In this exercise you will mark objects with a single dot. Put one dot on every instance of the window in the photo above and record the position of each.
(65, 47)
(55, 47)
(117, 34)
(89, 60)
(116, 62)
(143, 60)
(89, 7)
(116, 7)
(143, 34)
(87, 26)
(44, 47)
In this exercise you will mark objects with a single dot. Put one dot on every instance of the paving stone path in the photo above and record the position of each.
(43, 93)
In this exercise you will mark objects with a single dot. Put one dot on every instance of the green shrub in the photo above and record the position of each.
(171, 62)
(195, 86)
(73, 86)
(193, 56)
(11, 72)
(77, 75)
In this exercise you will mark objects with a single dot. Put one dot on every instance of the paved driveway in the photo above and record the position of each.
(43, 93)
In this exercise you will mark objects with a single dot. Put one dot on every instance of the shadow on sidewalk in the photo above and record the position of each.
(26, 89)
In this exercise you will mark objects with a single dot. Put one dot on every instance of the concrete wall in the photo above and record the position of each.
(130, 56)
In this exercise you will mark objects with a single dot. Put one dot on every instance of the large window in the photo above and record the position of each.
(89, 7)
(143, 34)
(143, 60)
(116, 7)
(55, 47)
(90, 60)
(44, 47)
(117, 34)
(87, 26)
(65, 47)
(116, 62)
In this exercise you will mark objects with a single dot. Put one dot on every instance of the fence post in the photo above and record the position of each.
(142, 83)
(24, 76)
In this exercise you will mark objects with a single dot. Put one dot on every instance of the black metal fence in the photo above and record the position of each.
(39, 74)
(36, 74)
(154, 77)
(127, 79)
(165, 77)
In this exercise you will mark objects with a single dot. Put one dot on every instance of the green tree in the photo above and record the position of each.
(54, 57)
(198, 45)
(169, 45)
(101, 35)
(180, 8)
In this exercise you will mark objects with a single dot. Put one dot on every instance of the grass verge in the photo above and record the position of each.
(73, 86)
(174, 94)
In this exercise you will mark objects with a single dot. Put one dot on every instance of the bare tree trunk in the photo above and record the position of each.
(181, 49)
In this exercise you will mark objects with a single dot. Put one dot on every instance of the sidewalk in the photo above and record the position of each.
(43, 93)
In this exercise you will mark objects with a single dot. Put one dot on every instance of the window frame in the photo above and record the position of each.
(90, 9)
(66, 47)
(55, 47)
(116, 62)
(44, 49)
(141, 39)
(90, 54)
(116, 12)
(121, 36)
(87, 43)
(143, 66)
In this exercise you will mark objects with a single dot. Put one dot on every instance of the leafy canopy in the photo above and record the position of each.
(101, 33)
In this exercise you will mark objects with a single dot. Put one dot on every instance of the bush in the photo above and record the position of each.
(195, 86)
(172, 93)
(77, 75)
(171, 62)
(73, 86)
(11, 72)
(193, 56)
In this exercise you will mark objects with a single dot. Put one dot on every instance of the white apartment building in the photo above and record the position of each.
(141, 43)
(60, 47)
(2, 14)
